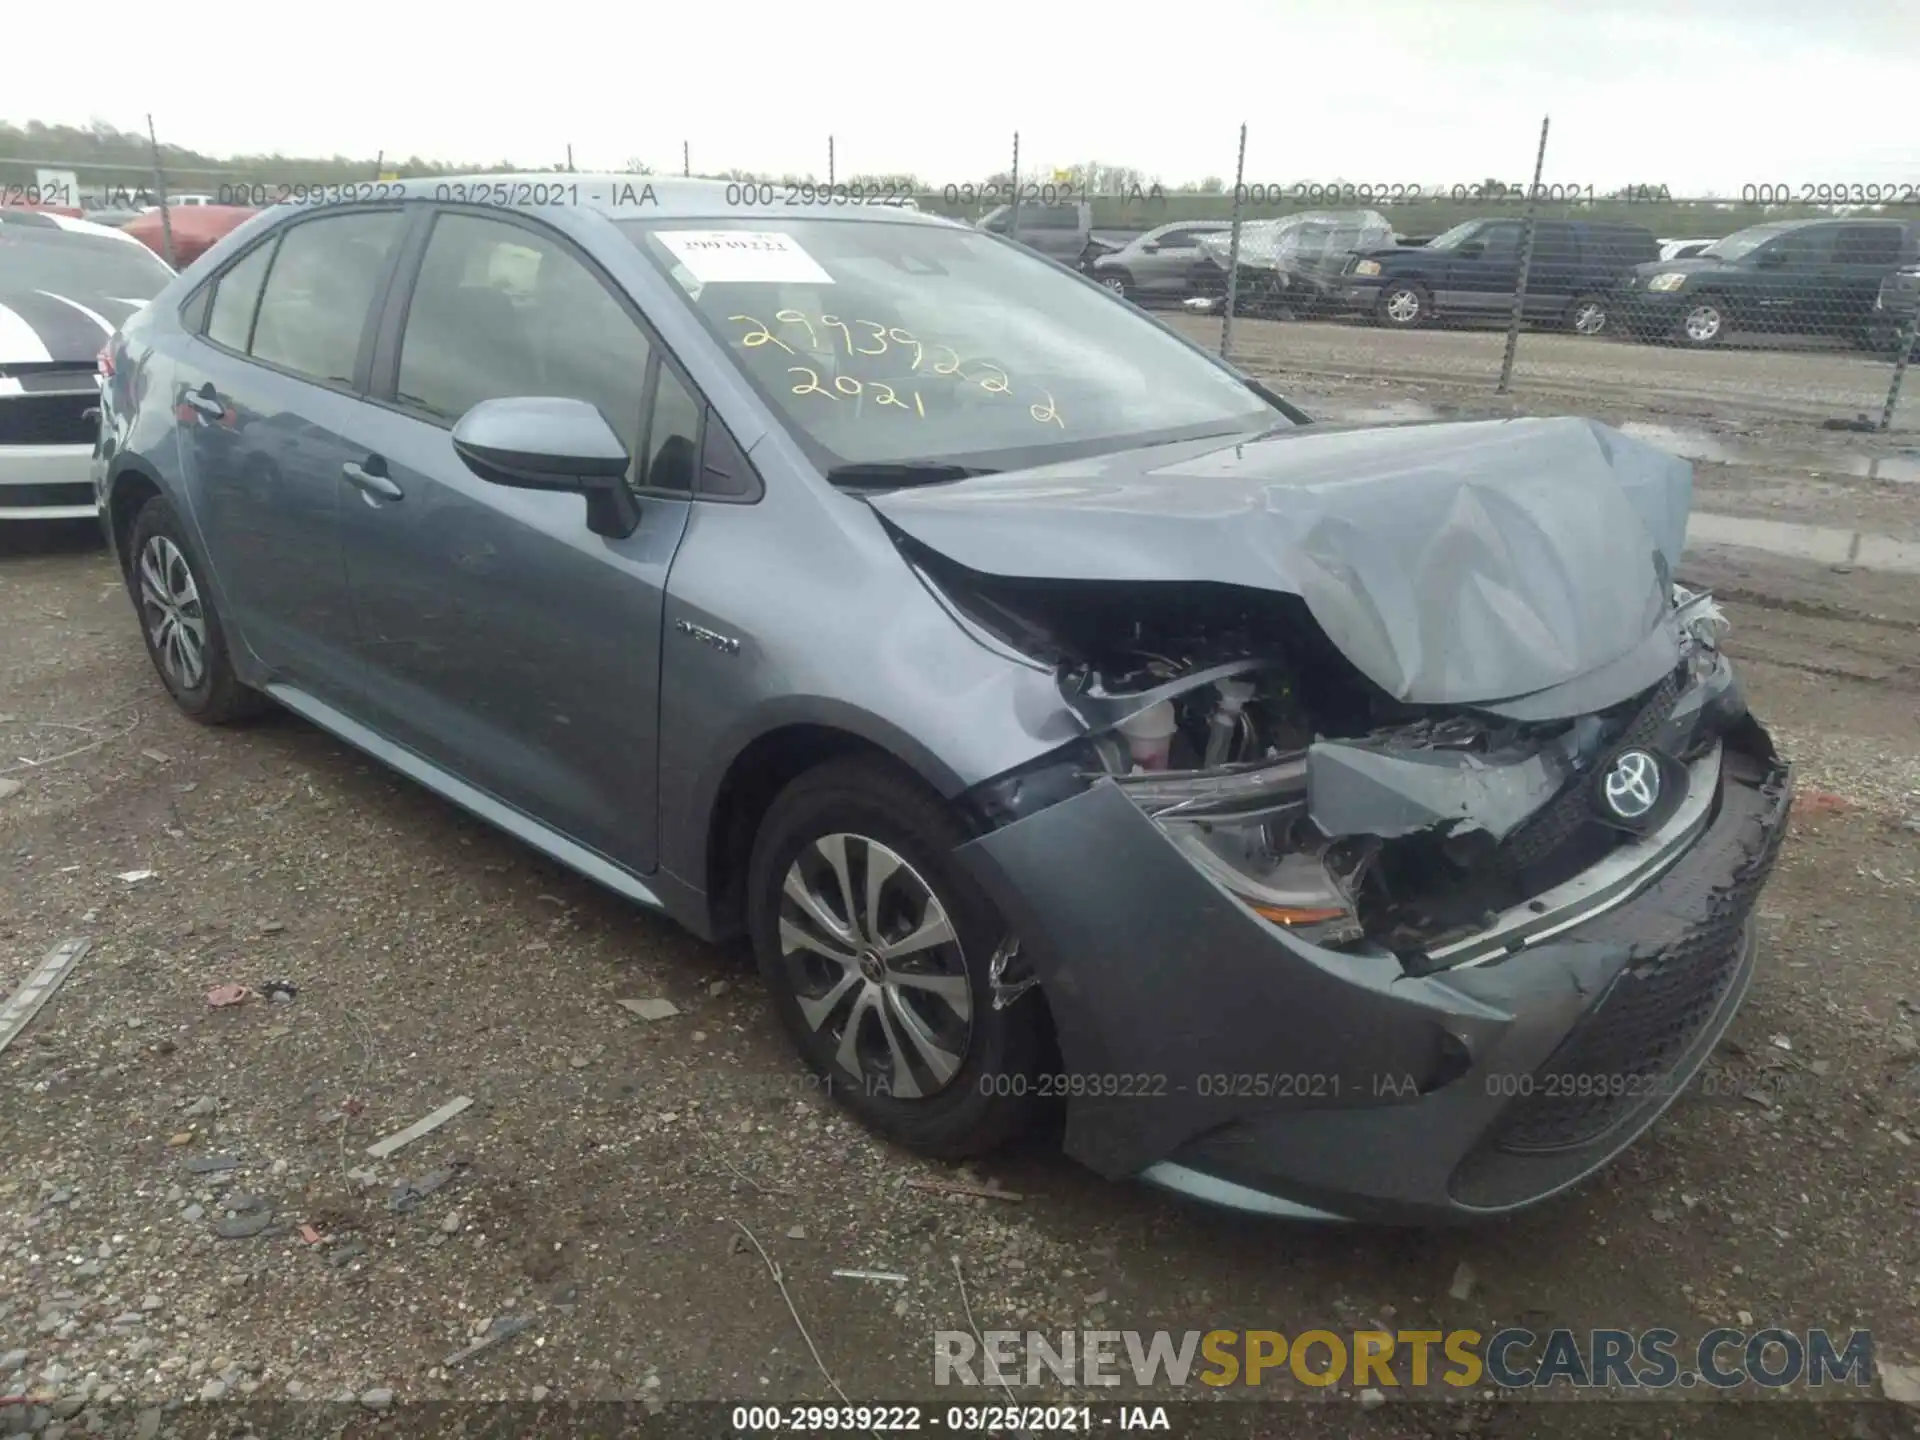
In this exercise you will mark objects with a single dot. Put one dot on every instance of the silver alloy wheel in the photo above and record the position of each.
(175, 619)
(1403, 307)
(876, 965)
(1589, 318)
(1704, 322)
(1114, 283)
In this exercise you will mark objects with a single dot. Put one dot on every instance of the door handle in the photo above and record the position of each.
(372, 482)
(206, 402)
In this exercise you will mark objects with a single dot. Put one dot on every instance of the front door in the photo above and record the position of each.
(502, 640)
(1481, 284)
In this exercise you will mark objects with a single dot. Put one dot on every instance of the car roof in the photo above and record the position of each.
(41, 220)
(621, 196)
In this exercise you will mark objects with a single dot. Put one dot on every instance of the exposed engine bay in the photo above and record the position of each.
(1316, 799)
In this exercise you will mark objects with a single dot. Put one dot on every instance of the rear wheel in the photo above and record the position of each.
(185, 638)
(1587, 315)
(879, 951)
(1118, 281)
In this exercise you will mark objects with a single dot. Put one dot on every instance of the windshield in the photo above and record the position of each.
(1450, 239)
(878, 341)
(1740, 243)
(77, 265)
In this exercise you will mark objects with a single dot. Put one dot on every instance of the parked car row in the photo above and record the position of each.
(1850, 279)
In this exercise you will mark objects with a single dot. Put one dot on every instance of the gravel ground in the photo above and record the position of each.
(188, 1210)
(1740, 385)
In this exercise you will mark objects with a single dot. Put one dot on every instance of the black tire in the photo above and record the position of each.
(1692, 330)
(209, 692)
(1403, 305)
(875, 801)
(1587, 315)
(1118, 281)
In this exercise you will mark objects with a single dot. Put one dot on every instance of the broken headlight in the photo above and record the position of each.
(1246, 828)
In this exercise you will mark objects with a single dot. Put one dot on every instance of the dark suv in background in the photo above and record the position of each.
(1806, 277)
(1472, 271)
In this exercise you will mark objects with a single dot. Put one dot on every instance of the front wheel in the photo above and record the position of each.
(1116, 281)
(1706, 322)
(1403, 306)
(880, 951)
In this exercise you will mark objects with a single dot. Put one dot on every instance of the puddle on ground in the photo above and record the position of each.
(1828, 545)
(1901, 468)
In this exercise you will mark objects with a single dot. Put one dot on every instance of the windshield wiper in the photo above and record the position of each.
(903, 472)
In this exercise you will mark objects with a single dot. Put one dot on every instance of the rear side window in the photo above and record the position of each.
(324, 279)
(236, 296)
(1554, 244)
(1050, 217)
(499, 310)
(1868, 245)
(1798, 249)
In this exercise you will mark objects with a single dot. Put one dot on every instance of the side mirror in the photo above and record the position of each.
(1769, 259)
(548, 443)
(1152, 247)
(1472, 250)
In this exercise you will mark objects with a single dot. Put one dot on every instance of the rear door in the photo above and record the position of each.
(1794, 282)
(503, 641)
(265, 390)
(1553, 272)
(1864, 255)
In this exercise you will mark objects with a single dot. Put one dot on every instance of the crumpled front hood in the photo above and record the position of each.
(1461, 563)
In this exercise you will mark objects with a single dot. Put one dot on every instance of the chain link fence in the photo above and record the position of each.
(1797, 302)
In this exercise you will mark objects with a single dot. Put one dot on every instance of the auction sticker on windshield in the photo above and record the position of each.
(722, 257)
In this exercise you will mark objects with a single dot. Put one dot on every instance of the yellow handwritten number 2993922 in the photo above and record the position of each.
(989, 377)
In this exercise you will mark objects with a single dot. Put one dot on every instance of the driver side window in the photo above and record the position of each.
(499, 310)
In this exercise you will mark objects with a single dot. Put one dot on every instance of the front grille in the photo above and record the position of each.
(1616, 1058)
(49, 419)
(1564, 816)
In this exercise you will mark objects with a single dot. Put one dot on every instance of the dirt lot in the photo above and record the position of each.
(1734, 387)
(614, 1176)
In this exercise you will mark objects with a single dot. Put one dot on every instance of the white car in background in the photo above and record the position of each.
(65, 286)
(1682, 249)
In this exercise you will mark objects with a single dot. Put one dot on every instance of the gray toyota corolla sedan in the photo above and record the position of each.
(1329, 821)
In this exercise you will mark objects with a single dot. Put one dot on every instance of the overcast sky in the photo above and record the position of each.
(1697, 94)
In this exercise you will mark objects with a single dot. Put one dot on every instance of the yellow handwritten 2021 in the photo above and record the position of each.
(874, 339)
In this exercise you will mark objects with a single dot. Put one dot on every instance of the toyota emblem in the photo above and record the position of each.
(1632, 786)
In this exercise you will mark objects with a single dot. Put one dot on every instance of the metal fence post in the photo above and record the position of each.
(379, 164)
(1908, 334)
(1526, 260)
(1013, 217)
(160, 185)
(1233, 246)
(829, 162)
(686, 161)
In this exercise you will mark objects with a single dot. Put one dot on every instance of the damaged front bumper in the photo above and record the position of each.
(1211, 1051)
